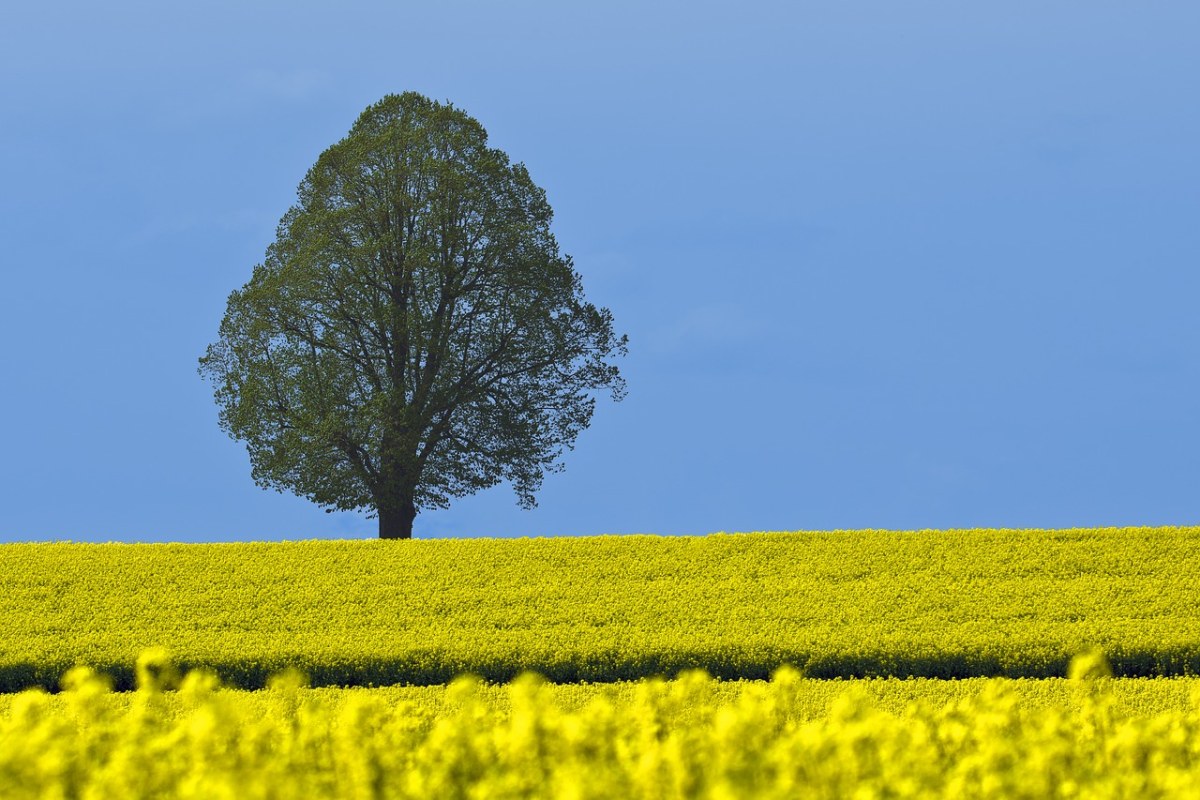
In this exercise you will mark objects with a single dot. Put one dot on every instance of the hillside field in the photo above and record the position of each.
(957, 603)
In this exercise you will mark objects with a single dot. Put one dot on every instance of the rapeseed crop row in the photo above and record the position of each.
(688, 738)
(845, 603)
(811, 698)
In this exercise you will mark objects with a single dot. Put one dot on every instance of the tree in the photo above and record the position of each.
(413, 333)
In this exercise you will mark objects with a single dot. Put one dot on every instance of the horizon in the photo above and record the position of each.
(576, 537)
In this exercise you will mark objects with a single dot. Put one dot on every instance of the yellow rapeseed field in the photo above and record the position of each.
(955, 603)
(688, 738)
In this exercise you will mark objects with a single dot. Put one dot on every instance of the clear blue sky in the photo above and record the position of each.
(888, 265)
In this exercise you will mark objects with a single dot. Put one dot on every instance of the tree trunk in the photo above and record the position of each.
(396, 522)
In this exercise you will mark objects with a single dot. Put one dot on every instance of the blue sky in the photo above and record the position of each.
(882, 265)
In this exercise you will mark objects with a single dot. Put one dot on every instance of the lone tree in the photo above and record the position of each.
(413, 333)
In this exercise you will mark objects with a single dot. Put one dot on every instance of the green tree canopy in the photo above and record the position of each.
(413, 334)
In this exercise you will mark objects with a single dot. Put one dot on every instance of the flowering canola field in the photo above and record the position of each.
(957, 603)
(687, 738)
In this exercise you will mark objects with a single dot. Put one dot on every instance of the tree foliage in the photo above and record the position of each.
(413, 334)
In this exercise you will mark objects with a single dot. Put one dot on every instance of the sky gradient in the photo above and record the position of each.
(919, 265)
